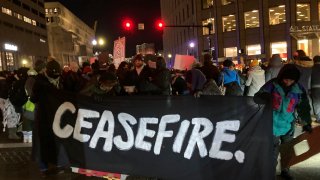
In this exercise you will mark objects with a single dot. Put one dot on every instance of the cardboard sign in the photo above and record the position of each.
(288, 155)
(183, 62)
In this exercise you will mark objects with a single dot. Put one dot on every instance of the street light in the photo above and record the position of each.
(170, 63)
(191, 46)
(101, 41)
(24, 62)
(94, 42)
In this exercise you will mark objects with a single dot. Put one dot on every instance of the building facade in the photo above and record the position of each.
(23, 34)
(251, 28)
(70, 39)
(145, 48)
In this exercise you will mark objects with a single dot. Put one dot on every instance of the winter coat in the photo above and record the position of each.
(315, 76)
(273, 69)
(45, 148)
(140, 81)
(256, 79)
(231, 81)
(210, 71)
(284, 105)
(305, 68)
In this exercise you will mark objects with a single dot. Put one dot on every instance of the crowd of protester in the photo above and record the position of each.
(299, 77)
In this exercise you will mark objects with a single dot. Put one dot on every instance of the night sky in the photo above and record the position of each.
(110, 15)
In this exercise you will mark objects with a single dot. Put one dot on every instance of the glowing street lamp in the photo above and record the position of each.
(191, 45)
(24, 62)
(94, 42)
(101, 42)
(169, 55)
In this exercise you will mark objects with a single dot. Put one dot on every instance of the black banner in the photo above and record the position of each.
(211, 137)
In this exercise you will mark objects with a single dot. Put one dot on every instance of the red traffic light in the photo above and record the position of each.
(127, 24)
(160, 25)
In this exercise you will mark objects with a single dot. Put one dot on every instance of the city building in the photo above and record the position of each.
(23, 34)
(250, 28)
(70, 39)
(145, 48)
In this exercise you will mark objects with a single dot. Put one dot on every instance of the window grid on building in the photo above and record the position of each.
(205, 30)
(6, 11)
(229, 23)
(251, 19)
(277, 15)
(303, 12)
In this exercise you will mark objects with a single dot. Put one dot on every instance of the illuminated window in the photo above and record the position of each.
(205, 30)
(50, 11)
(251, 19)
(207, 4)
(229, 23)
(17, 15)
(279, 48)
(230, 52)
(26, 19)
(6, 11)
(303, 12)
(277, 15)
(226, 2)
(47, 11)
(34, 22)
(253, 49)
(55, 10)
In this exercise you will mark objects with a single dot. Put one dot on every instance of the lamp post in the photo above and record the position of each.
(191, 46)
(170, 63)
(24, 62)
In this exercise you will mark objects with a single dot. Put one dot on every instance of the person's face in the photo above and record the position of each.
(288, 82)
(138, 63)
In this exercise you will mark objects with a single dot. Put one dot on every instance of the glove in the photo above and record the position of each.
(307, 128)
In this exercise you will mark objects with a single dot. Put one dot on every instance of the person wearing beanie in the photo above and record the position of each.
(288, 97)
(275, 64)
(256, 78)
(315, 87)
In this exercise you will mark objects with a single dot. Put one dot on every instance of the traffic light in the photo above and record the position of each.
(160, 25)
(128, 24)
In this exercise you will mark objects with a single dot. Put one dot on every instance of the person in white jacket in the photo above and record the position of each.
(256, 78)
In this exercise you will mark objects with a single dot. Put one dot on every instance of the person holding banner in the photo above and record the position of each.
(288, 97)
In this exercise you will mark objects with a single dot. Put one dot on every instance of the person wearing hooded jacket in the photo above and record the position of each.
(256, 78)
(287, 97)
(275, 64)
(231, 79)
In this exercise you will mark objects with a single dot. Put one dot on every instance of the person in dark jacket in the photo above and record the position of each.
(275, 64)
(161, 78)
(287, 96)
(210, 70)
(315, 87)
(139, 76)
(47, 152)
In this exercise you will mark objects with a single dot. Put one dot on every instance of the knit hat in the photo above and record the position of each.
(289, 71)
(254, 63)
(32, 72)
(39, 65)
(53, 68)
(316, 59)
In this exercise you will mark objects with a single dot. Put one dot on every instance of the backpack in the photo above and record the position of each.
(17, 93)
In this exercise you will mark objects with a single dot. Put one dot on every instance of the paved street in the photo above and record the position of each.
(15, 164)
